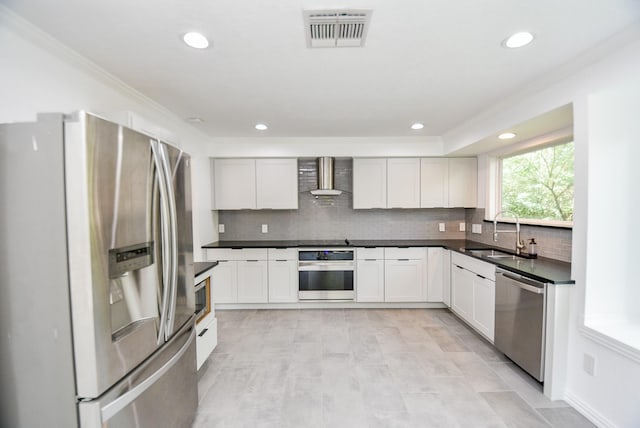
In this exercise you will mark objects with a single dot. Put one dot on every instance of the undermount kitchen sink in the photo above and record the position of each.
(492, 254)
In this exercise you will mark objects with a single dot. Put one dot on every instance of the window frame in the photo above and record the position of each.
(494, 194)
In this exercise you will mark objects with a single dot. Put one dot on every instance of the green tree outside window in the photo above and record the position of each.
(539, 184)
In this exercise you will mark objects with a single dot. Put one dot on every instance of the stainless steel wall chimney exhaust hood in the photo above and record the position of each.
(325, 178)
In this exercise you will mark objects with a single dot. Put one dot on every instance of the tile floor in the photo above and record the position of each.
(365, 368)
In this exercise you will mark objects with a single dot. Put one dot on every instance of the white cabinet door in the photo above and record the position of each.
(403, 183)
(462, 292)
(369, 183)
(463, 182)
(277, 184)
(283, 281)
(224, 286)
(370, 280)
(435, 274)
(434, 183)
(234, 184)
(447, 277)
(484, 298)
(206, 339)
(404, 281)
(252, 281)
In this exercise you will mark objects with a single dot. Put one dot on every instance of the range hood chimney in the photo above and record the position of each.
(325, 178)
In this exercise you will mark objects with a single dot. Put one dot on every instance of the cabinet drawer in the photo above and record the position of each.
(412, 253)
(236, 254)
(370, 253)
(478, 267)
(283, 254)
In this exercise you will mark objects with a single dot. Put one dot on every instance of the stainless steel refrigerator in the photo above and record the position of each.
(97, 301)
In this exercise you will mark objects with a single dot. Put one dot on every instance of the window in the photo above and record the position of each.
(538, 185)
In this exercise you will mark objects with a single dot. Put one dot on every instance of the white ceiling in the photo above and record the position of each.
(439, 62)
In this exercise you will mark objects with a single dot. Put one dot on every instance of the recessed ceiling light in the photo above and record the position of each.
(261, 127)
(506, 136)
(196, 40)
(195, 119)
(417, 126)
(518, 40)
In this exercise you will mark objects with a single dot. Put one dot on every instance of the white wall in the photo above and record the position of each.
(40, 75)
(313, 147)
(610, 398)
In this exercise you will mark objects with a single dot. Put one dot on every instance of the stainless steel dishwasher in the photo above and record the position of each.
(520, 321)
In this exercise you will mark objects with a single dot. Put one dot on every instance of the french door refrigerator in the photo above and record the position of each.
(97, 303)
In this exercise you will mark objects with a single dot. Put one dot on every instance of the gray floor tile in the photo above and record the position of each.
(365, 368)
(565, 417)
(513, 410)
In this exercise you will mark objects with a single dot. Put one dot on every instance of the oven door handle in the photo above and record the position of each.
(319, 267)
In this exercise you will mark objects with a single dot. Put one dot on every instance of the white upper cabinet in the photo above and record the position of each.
(403, 183)
(277, 184)
(463, 182)
(434, 183)
(255, 184)
(369, 183)
(234, 184)
(448, 182)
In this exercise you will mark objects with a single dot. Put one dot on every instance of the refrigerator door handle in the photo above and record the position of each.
(166, 240)
(124, 400)
(173, 231)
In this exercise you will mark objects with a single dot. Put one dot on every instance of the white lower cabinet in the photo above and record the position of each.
(206, 339)
(405, 275)
(462, 291)
(484, 296)
(473, 290)
(241, 275)
(224, 287)
(370, 280)
(436, 286)
(252, 281)
(283, 281)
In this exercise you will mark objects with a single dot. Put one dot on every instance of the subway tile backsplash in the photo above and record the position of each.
(334, 217)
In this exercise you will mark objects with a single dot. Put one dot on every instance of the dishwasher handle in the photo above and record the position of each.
(524, 283)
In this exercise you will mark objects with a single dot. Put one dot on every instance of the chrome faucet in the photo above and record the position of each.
(519, 242)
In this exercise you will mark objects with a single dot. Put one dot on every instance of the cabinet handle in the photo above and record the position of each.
(252, 261)
(281, 260)
(369, 260)
(202, 333)
(403, 260)
(459, 267)
(483, 277)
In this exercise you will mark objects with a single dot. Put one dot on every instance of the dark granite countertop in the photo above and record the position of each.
(202, 267)
(540, 269)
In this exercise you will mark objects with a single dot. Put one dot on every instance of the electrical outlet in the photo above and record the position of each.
(589, 364)
(265, 228)
(463, 227)
(441, 227)
(221, 228)
(476, 228)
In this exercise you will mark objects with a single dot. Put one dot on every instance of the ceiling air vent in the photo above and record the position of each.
(336, 28)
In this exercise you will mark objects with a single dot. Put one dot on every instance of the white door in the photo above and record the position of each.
(463, 182)
(369, 183)
(403, 183)
(277, 184)
(434, 182)
(283, 281)
(234, 184)
(404, 281)
(252, 281)
(435, 274)
(462, 292)
(370, 281)
(224, 288)
(484, 298)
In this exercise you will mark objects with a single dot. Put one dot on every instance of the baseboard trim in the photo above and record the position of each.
(588, 412)
(329, 305)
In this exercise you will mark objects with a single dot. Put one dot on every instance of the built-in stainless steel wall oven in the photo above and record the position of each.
(326, 274)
